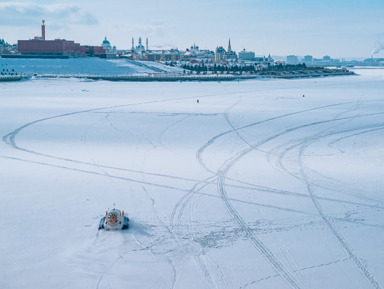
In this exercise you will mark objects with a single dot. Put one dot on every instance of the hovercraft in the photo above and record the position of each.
(114, 220)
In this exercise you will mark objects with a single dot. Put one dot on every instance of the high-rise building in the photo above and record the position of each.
(292, 59)
(219, 54)
(308, 59)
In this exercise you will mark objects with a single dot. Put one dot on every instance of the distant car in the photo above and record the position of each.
(114, 220)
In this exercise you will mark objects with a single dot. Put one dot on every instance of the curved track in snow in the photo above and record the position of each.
(180, 229)
(289, 278)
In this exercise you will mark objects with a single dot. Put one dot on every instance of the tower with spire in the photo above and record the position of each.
(43, 30)
(146, 44)
(230, 54)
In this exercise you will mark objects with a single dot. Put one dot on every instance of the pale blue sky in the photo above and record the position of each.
(338, 28)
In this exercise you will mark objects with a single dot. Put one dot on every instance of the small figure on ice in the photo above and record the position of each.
(114, 220)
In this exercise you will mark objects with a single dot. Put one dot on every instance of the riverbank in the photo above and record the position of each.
(194, 77)
(127, 70)
(11, 77)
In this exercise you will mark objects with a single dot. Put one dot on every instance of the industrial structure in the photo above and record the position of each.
(58, 48)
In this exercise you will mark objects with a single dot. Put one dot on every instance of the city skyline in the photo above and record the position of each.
(336, 28)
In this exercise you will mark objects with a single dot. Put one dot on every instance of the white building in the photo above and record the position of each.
(292, 59)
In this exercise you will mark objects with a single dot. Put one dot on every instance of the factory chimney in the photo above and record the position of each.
(43, 30)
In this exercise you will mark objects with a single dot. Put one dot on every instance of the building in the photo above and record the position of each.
(326, 61)
(51, 47)
(292, 59)
(163, 55)
(106, 45)
(40, 47)
(139, 48)
(194, 52)
(308, 59)
(110, 52)
(230, 54)
(246, 55)
(219, 54)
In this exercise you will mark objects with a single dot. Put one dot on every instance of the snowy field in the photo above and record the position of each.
(255, 186)
(83, 66)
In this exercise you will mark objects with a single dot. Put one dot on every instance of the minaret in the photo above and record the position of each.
(139, 41)
(146, 44)
(43, 30)
(229, 45)
(133, 45)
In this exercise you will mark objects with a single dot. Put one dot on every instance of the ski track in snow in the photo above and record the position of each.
(184, 210)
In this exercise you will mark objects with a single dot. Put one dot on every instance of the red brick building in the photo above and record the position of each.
(60, 47)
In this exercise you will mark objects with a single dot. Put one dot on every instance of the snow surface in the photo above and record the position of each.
(83, 66)
(255, 186)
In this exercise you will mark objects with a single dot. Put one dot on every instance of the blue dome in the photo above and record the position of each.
(106, 41)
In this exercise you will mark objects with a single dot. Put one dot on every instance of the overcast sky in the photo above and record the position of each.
(339, 28)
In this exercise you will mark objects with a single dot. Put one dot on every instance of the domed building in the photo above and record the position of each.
(140, 47)
(106, 45)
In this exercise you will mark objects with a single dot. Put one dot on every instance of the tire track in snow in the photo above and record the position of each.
(339, 117)
(309, 185)
(179, 210)
(299, 270)
(302, 145)
(293, 194)
(378, 126)
(96, 173)
(230, 163)
(187, 201)
(337, 235)
(257, 243)
(10, 139)
(201, 150)
(105, 174)
(172, 234)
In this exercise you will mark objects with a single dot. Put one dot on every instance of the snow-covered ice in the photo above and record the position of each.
(255, 186)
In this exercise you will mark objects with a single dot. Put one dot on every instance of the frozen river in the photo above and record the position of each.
(259, 184)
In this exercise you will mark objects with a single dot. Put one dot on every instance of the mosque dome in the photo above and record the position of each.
(106, 44)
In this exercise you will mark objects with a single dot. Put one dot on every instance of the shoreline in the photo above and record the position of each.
(11, 77)
(183, 77)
